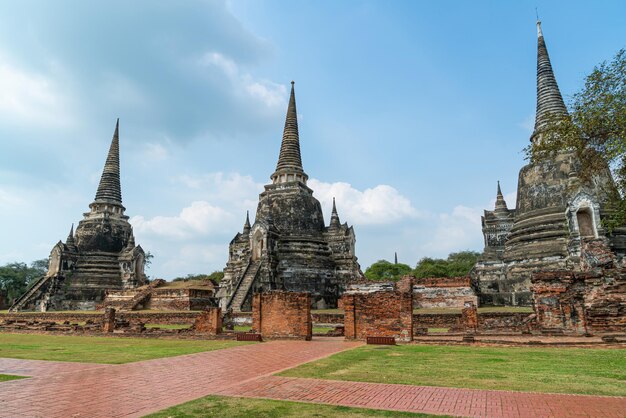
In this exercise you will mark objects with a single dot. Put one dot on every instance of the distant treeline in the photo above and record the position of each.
(457, 264)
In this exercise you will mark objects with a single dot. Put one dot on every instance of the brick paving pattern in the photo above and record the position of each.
(58, 389)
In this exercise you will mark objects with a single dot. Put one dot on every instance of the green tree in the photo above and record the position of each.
(595, 130)
(456, 265)
(16, 277)
(216, 275)
(384, 270)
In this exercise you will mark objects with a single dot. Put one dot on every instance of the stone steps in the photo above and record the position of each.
(244, 287)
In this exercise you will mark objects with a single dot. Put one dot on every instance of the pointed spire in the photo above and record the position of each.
(500, 202)
(246, 225)
(549, 99)
(131, 240)
(70, 237)
(289, 167)
(109, 189)
(334, 216)
(395, 258)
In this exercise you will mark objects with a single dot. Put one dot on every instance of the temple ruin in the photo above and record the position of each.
(289, 247)
(556, 211)
(100, 256)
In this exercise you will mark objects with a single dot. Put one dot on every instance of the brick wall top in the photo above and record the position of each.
(444, 281)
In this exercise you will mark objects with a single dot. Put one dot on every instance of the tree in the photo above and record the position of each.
(595, 130)
(456, 265)
(384, 270)
(16, 277)
(216, 276)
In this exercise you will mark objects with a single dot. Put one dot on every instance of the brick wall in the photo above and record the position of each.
(380, 313)
(444, 281)
(180, 299)
(579, 302)
(209, 321)
(177, 318)
(279, 314)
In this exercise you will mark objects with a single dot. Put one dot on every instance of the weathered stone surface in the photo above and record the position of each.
(556, 212)
(580, 302)
(469, 317)
(99, 257)
(163, 296)
(379, 313)
(289, 247)
(108, 321)
(443, 292)
(209, 321)
(278, 314)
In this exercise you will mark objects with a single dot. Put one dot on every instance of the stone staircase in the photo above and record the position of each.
(240, 294)
(141, 296)
(99, 267)
(22, 301)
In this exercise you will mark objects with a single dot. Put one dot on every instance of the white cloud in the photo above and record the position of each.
(198, 219)
(379, 205)
(29, 97)
(155, 152)
(271, 94)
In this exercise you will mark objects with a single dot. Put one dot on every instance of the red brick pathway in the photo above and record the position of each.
(433, 400)
(135, 389)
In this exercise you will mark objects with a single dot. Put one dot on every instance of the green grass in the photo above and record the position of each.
(561, 370)
(323, 311)
(438, 330)
(220, 406)
(7, 377)
(169, 326)
(112, 350)
(242, 328)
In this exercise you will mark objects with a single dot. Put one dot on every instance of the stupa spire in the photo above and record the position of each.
(500, 202)
(334, 216)
(246, 225)
(70, 237)
(289, 167)
(109, 189)
(549, 99)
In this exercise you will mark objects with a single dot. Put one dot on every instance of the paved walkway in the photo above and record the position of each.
(135, 389)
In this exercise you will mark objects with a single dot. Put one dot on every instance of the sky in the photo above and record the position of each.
(409, 112)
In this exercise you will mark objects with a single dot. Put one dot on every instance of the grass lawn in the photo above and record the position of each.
(220, 406)
(560, 370)
(438, 330)
(7, 377)
(101, 349)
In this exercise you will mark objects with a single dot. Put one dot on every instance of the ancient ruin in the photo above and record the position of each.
(289, 247)
(100, 256)
(556, 211)
(182, 295)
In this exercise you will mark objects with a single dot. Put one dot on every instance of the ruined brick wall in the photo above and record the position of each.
(165, 318)
(278, 314)
(559, 300)
(209, 321)
(379, 313)
(469, 317)
(108, 321)
(327, 318)
(180, 299)
(463, 281)
(443, 292)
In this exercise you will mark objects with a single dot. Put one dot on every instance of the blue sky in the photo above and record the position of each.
(409, 112)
